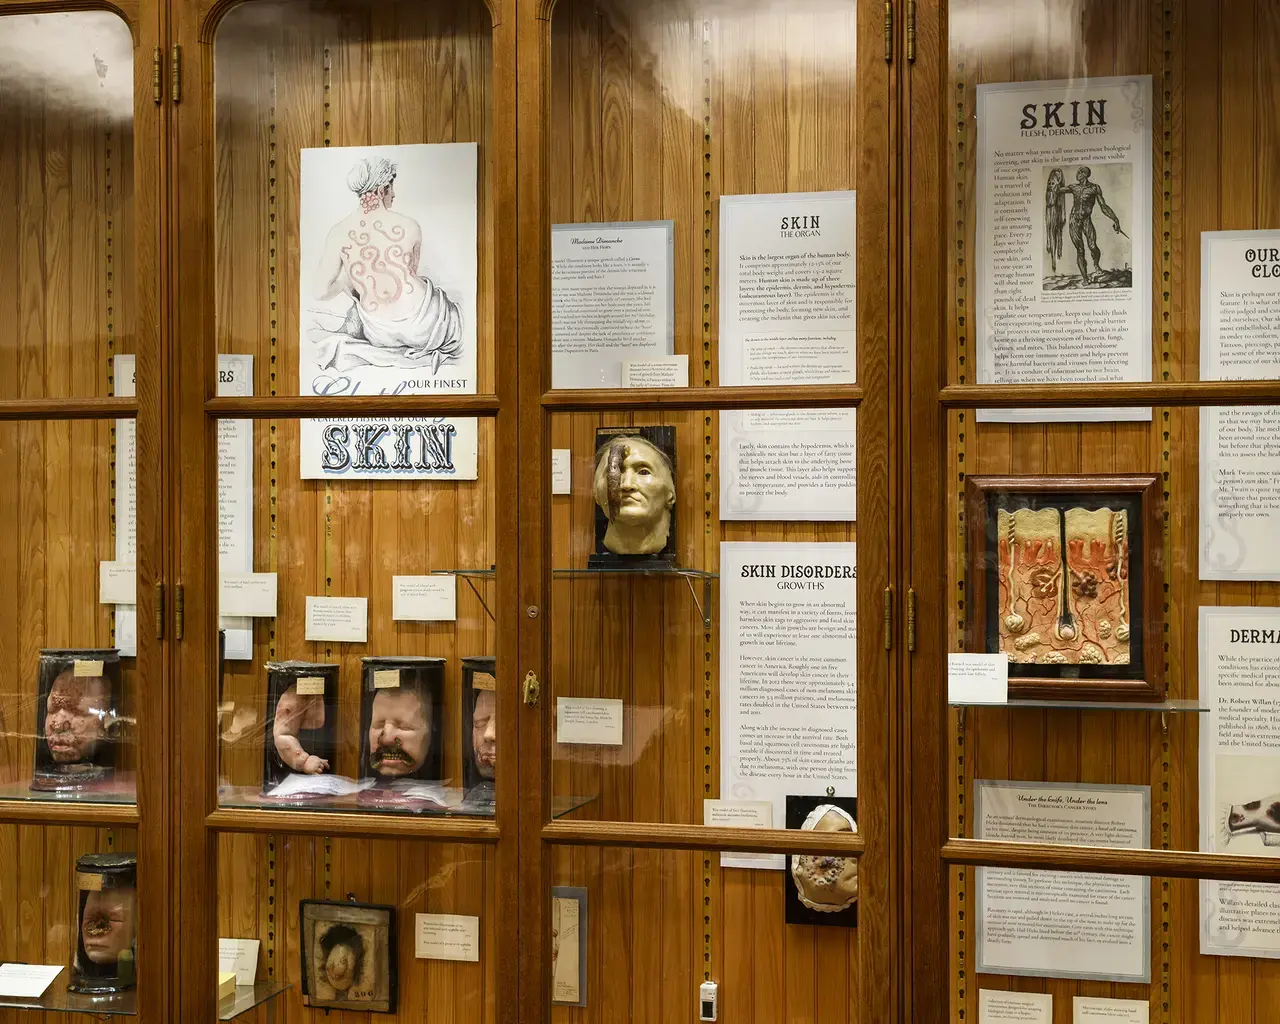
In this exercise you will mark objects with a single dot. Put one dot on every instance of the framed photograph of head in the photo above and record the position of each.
(1065, 576)
(348, 955)
(77, 719)
(634, 487)
(821, 888)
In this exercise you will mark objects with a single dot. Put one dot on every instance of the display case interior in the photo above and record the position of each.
(53, 869)
(659, 108)
(435, 975)
(66, 163)
(69, 701)
(646, 644)
(301, 77)
(389, 678)
(687, 917)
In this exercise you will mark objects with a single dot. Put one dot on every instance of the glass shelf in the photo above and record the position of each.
(689, 575)
(248, 996)
(1193, 707)
(121, 790)
(58, 1000)
(251, 798)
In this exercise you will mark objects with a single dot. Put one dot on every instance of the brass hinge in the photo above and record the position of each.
(159, 610)
(888, 31)
(156, 59)
(911, 619)
(911, 31)
(179, 613)
(888, 618)
(175, 73)
(532, 689)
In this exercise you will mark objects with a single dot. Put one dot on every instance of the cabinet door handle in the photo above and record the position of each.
(159, 610)
(888, 31)
(531, 690)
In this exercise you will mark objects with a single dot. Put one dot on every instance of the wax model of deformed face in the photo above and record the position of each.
(823, 882)
(399, 732)
(76, 714)
(107, 930)
(297, 713)
(341, 957)
(484, 733)
(634, 487)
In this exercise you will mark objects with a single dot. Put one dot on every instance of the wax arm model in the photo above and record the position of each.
(292, 714)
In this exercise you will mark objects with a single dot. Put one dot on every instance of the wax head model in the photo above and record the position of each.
(634, 486)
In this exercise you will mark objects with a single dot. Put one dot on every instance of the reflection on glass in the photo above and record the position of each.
(66, 158)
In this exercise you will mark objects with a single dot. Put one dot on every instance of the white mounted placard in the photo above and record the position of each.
(247, 594)
(424, 598)
(343, 620)
(977, 678)
(241, 957)
(1099, 1010)
(589, 720)
(235, 498)
(124, 374)
(446, 937)
(561, 459)
(117, 583)
(664, 372)
(996, 1007)
(27, 981)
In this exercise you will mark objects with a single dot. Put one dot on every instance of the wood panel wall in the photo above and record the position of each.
(66, 225)
(1215, 150)
(657, 109)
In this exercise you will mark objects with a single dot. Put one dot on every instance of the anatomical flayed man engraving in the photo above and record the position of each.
(1101, 263)
(1064, 586)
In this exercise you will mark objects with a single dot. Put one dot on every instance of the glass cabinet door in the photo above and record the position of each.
(84, 754)
(1096, 381)
(710, 554)
(348, 552)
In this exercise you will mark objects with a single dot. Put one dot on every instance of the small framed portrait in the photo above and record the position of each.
(569, 945)
(634, 488)
(821, 888)
(1065, 576)
(348, 956)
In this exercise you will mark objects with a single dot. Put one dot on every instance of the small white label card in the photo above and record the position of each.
(590, 720)
(86, 669)
(1097, 1010)
(446, 937)
(343, 620)
(738, 813)
(978, 678)
(424, 598)
(560, 460)
(660, 372)
(995, 1007)
(310, 686)
(240, 956)
(386, 679)
(247, 593)
(117, 583)
(26, 981)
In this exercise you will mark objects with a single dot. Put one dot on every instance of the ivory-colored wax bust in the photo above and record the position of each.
(634, 487)
(823, 882)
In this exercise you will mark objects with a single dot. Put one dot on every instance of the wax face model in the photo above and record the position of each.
(399, 732)
(633, 485)
(823, 882)
(484, 733)
(76, 714)
(107, 927)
